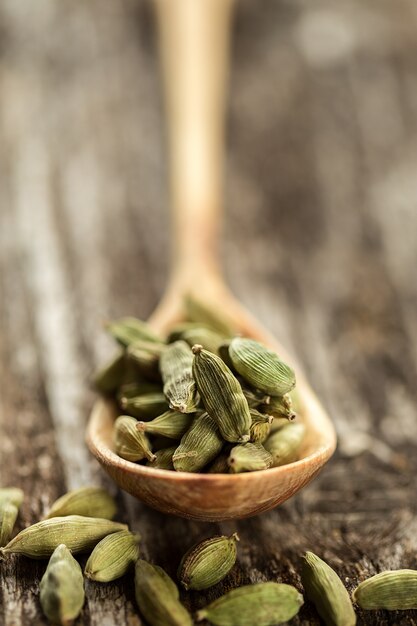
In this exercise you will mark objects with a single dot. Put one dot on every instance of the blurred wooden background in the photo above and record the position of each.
(320, 243)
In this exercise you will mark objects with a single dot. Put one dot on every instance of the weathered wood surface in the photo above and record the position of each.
(321, 197)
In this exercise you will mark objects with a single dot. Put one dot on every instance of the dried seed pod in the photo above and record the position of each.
(111, 376)
(249, 457)
(263, 604)
(179, 384)
(12, 495)
(283, 444)
(208, 562)
(209, 339)
(87, 501)
(146, 355)
(127, 330)
(171, 424)
(279, 406)
(79, 534)
(222, 395)
(327, 592)
(113, 556)
(199, 311)
(129, 442)
(163, 459)
(260, 367)
(200, 445)
(260, 427)
(62, 588)
(8, 517)
(145, 407)
(156, 598)
(393, 591)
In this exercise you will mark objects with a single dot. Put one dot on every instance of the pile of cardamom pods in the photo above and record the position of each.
(200, 400)
(81, 522)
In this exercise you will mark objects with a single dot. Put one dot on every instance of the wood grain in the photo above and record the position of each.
(320, 243)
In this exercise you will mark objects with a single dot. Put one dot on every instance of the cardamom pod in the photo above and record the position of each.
(145, 407)
(163, 459)
(112, 556)
(129, 442)
(263, 604)
(278, 424)
(222, 395)
(156, 600)
(8, 517)
(171, 424)
(393, 591)
(200, 445)
(283, 444)
(279, 406)
(77, 532)
(260, 427)
(327, 592)
(260, 367)
(249, 457)
(208, 562)
(199, 311)
(62, 588)
(209, 339)
(177, 376)
(173, 589)
(12, 495)
(87, 501)
(110, 377)
(146, 355)
(127, 330)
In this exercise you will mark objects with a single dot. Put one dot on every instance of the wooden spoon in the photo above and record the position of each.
(194, 41)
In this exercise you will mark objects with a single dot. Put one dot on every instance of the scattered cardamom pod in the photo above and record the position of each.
(260, 367)
(200, 445)
(327, 592)
(263, 604)
(199, 311)
(279, 406)
(171, 424)
(12, 495)
(283, 445)
(8, 517)
(177, 376)
(62, 588)
(86, 501)
(127, 330)
(156, 597)
(145, 407)
(249, 457)
(393, 591)
(77, 532)
(260, 427)
(146, 355)
(208, 562)
(110, 377)
(112, 556)
(222, 395)
(129, 442)
(163, 459)
(209, 339)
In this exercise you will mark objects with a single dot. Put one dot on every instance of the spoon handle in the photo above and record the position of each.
(194, 49)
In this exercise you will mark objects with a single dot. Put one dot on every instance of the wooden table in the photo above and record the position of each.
(320, 243)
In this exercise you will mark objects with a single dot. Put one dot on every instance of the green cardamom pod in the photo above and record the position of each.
(260, 427)
(279, 406)
(79, 534)
(145, 407)
(177, 375)
(249, 457)
(199, 311)
(156, 600)
(163, 459)
(86, 501)
(111, 376)
(222, 395)
(12, 495)
(129, 442)
(283, 445)
(8, 517)
(260, 367)
(146, 355)
(172, 587)
(393, 591)
(278, 424)
(200, 445)
(62, 588)
(263, 604)
(209, 339)
(208, 562)
(112, 556)
(327, 592)
(127, 330)
(171, 424)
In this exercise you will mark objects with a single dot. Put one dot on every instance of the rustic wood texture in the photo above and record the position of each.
(320, 243)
